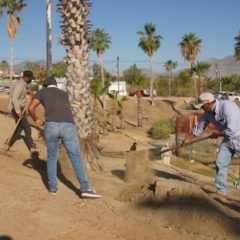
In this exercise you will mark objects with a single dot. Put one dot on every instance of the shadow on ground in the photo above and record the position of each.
(166, 175)
(40, 166)
(193, 214)
(5, 238)
(119, 173)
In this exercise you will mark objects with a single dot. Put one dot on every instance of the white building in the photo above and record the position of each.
(119, 87)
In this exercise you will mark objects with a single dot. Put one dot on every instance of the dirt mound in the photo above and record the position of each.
(187, 209)
(180, 209)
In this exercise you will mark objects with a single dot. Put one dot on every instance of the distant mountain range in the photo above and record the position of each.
(21, 66)
(226, 66)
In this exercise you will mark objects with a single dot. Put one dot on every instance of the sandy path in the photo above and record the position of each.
(181, 210)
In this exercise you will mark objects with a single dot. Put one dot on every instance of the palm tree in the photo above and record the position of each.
(169, 66)
(190, 48)
(237, 47)
(96, 90)
(99, 42)
(75, 38)
(137, 79)
(13, 22)
(200, 69)
(149, 42)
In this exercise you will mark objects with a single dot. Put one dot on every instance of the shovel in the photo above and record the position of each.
(186, 144)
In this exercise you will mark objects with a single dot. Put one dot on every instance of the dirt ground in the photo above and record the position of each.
(181, 209)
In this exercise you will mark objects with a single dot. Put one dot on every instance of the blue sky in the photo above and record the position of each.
(216, 22)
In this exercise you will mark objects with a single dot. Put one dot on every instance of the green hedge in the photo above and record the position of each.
(163, 128)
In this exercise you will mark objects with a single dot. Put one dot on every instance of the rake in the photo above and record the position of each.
(8, 142)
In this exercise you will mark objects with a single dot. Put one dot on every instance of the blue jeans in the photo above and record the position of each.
(224, 157)
(55, 132)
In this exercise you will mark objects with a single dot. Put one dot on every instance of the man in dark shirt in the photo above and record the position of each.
(59, 126)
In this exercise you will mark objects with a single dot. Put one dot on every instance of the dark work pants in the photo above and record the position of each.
(23, 126)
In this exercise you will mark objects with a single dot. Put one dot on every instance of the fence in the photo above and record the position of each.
(205, 151)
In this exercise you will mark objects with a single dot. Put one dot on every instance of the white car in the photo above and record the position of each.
(233, 96)
(7, 90)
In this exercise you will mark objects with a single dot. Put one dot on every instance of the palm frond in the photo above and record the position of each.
(149, 42)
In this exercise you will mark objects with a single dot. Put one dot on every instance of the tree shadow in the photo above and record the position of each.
(40, 166)
(119, 173)
(5, 238)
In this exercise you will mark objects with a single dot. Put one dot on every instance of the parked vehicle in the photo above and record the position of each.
(1, 88)
(7, 90)
(142, 92)
(227, 95)
(219, 95)
(233, 96)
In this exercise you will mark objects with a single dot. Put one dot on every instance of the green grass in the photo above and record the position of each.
(193, 167)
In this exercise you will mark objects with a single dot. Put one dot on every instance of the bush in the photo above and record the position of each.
(162, 128)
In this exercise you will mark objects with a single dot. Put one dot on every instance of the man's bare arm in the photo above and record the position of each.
(32, 111)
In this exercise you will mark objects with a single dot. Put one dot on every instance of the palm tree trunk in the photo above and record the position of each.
(95, 130)
(194, 82)
(121, 120)
(74, 31)
(198, 85)
(114, 111)
(103, 80)
(75, 38)
(151, 81)
(101, 68)
(139, 110)
(195, 87)
(201, 85)
(169, 83)
(11, 63)
(49, 36)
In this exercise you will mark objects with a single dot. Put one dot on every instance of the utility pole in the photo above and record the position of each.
(220, 80)
(49, 36)
(118, 74)
(218, 76)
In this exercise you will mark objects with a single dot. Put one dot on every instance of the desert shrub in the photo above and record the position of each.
(162, 128)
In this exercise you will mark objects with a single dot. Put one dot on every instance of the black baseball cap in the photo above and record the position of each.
(28, 74)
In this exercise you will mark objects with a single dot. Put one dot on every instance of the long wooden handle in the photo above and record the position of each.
(8, 142)
(179, 146)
